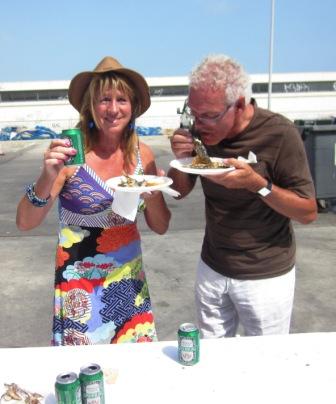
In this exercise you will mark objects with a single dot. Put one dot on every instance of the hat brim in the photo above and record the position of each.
(81, 81)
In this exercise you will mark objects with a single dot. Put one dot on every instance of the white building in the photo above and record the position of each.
(295, 95)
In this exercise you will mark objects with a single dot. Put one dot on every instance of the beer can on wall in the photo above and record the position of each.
(92, 384)
(188, 344)
(68, 389)
(76, 141)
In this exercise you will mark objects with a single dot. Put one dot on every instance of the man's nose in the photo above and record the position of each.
(198, 121)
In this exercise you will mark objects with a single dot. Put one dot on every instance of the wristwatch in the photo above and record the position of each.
(265, 190)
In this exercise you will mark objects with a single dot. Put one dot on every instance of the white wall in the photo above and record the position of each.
(58, 115)
(301, 105)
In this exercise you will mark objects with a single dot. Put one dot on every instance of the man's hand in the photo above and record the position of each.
(181, 143)
(243, 177)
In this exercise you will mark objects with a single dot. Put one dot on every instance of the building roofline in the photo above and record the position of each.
(169, 81)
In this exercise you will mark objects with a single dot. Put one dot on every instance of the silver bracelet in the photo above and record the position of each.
(33, 198)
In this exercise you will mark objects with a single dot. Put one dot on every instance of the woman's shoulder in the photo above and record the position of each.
(147, 158)
(146, 151)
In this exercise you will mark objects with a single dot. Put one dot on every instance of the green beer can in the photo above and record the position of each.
(92, 384)
(68, 389)
(188, 344)
(76, 141)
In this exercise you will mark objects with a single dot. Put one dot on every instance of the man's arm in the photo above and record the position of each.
(182, 146)
(283, 201)
(288, 203)
(182, 182)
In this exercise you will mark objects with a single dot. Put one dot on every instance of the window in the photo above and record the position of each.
(164, 91)
(33, 95)
(295, 87)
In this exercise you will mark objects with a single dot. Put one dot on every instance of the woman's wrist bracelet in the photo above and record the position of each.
(33, 198)
(141, 205)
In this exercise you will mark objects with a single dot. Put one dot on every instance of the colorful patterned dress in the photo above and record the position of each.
(101, 293)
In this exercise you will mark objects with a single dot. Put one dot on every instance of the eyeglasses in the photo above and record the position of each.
(206, 119)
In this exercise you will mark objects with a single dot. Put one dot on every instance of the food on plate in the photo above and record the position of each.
(202, 159)
(127, 181)
(201, 152)
(200, 162)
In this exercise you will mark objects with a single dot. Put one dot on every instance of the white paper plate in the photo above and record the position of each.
(181, 165)
(160, 183)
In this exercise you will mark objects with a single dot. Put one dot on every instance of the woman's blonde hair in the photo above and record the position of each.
(88, 122)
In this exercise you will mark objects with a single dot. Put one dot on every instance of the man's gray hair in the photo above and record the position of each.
(222, 72)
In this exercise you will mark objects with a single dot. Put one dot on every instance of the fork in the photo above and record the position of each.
(201, 150)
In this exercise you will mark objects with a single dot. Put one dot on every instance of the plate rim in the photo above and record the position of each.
(166, 183)
(200, 171)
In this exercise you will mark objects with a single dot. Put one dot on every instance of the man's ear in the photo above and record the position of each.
(241, 103)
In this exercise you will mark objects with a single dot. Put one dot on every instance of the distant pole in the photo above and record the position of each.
(271, 56)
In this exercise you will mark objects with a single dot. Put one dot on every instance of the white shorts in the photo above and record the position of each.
(262, 307)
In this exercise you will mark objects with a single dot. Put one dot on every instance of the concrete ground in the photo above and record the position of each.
(27, 258)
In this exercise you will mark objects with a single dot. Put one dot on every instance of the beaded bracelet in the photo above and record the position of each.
(33, 198)
(141, 205)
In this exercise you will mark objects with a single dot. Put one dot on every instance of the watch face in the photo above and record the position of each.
(264, 191)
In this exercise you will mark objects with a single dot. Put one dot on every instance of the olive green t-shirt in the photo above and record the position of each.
(245, 238)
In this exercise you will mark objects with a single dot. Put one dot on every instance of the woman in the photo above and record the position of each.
(101, 293)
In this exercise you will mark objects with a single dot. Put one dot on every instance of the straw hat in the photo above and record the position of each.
(81, 81)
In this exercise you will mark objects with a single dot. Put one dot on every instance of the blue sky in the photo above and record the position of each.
(54, 40)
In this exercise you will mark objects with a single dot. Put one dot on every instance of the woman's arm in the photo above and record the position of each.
(48, 185)
(156, 213)
(29, 216)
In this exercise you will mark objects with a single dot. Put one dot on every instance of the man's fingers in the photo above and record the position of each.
(236, 163)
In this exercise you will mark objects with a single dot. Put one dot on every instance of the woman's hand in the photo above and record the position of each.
(153, 194)
(58, 152)
(156, 212)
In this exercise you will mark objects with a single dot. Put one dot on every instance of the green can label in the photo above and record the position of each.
(68, 389)
(188, 344)
(76, 141)
(92, 384)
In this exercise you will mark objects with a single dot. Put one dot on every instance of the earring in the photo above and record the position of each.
(91, 125)
(131, 126)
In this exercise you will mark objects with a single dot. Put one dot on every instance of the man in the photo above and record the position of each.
(246, 271)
